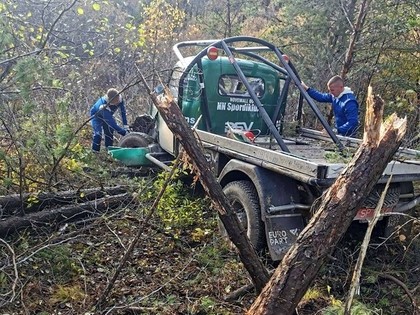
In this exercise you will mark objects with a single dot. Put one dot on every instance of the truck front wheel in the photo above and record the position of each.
(244, 201)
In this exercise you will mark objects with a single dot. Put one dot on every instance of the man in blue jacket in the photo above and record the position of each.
(344, 105)
(102, 113)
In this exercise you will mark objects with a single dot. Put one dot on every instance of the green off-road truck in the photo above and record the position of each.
(246, 101)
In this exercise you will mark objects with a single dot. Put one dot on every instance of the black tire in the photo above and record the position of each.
(144, 124)
(135, 140)
(244, 200)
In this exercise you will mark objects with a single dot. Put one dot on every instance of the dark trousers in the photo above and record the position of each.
(100, 125)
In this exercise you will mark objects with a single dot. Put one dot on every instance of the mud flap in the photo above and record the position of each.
(281, 232)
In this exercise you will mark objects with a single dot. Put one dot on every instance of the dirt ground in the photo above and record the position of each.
(192, 271)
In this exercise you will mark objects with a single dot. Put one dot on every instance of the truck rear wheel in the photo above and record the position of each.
(135, 140)
(244, 201)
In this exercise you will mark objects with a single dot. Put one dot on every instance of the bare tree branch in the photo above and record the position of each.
(130, 249)
(363, 250)
(15, 271)
(42, 46)
(416, 309)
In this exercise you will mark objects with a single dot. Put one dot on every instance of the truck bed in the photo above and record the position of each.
(307, 160)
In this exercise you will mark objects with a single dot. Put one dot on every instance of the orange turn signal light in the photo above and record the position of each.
(212, 53)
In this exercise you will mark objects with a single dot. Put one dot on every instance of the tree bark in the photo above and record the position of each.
(176, 122)
(53, 217)
(336, 210)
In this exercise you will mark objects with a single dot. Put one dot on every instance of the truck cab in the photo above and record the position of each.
(227, 99)
(216, 95)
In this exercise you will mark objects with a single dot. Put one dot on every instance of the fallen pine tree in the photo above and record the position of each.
(53, 217)
(29, 202)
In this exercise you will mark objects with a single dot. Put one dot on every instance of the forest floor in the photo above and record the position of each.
(183, 271)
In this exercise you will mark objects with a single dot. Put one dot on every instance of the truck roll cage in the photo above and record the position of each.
(247, 48)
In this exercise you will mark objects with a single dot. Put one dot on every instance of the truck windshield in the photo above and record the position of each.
(174, 81)
(231, 85)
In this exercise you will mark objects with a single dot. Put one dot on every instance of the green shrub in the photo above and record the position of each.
(357, 308)
(179, 209)
(59, 262)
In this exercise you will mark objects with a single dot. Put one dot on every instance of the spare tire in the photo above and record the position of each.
(144, 124)
(135, 140)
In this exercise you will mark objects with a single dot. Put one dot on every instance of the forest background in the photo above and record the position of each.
(58, 57)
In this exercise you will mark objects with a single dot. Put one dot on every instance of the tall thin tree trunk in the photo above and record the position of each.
(357, 29)
(348, 59)
(229, 18)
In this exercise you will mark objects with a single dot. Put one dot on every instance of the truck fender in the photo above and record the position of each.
(272, 188)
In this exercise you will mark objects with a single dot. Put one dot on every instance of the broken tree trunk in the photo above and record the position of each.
(334, 214)
(176, 122)
(11, 204)
(70, 213)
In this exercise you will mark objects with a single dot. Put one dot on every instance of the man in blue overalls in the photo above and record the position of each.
(103, 119)
(344, 105)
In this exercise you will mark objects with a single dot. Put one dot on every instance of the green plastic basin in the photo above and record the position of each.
(130, 156)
